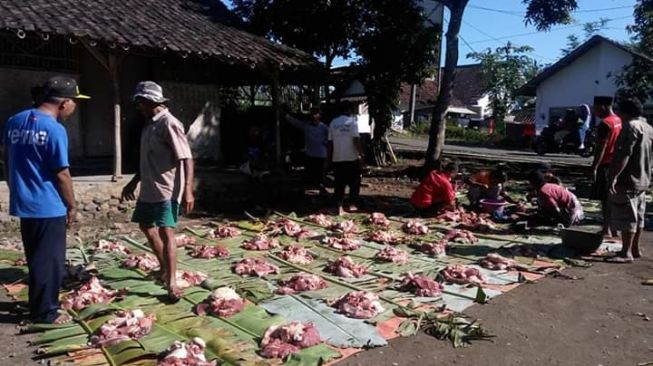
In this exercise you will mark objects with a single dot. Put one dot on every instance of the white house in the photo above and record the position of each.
(588, 71)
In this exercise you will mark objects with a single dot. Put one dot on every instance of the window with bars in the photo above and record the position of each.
(37, 52)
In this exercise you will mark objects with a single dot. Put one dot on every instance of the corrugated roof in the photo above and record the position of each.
(203, 28)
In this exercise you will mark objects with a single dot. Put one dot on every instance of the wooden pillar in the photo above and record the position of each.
(277, 115)
(117, 116)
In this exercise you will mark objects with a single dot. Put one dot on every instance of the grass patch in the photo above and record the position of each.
(455, 133)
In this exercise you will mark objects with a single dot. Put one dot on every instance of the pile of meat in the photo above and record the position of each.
(209, 251)
(384, 237)
(254, 267)
(186, 354)
(463, 235)
(106, 246)
(289, 228)
(296, 254)
(320, 219)
(345, 244)
(470, 220)
(345, 267)
(128, 324)
(187, 279)
(378, 219)
(223, 301)
(414, 227)
(421, 286)
(359, 305)
(223, 232)
(437, 249)
(463, 275)
(91, 292)
(145, 262)
(496, 262)
(346, 228)
(282, 341)
(393, 255)
(184, 240)
(301, 282)
(260, 242)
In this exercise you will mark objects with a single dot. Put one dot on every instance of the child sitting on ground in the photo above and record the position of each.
(488, 185)
(436, 193)
(555, 201)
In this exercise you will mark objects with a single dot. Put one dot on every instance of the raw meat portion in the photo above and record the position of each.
(209, 251)
(254, 267)
(415, 227)
(320, 219)
(145, 262)
(463, 275)
(465, 235)
(468, 219)
(378, 219)
(421, 286)
(394, 255)
(260, 242)
(184, 240)
(91, 292)
(345, 244)
(186, 279)
(296, 254)
(301, 282)
(437, 249)
(282, 341)
(20, 262)
(359, 305)
(105, 246)
(186, 354)
(128, 324)
(345, 228)
(223, 232)
(223, 301)
(345, 267)
(495, 262)
(284, 226)
(384, 237)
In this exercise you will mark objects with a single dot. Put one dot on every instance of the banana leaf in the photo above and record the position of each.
(317, 355)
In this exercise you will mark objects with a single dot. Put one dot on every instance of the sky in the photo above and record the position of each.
(492, 23)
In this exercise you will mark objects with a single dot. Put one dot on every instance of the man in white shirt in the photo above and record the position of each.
(345, 154)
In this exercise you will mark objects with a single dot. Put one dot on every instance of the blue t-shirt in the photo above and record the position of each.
(316, 137)
(37, 147)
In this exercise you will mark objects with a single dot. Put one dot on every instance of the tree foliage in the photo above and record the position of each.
(505, 70)
(637, 78)
(589, 29)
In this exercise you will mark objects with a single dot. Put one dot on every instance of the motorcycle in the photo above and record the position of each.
(554, 139)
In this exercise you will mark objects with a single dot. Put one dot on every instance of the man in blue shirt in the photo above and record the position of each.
(41, 191)
(316, 140)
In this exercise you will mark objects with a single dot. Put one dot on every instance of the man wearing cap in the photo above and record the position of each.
(608, 131)
(166, 179)
(41, 191)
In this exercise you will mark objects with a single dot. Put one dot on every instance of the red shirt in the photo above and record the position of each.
(609, 135)
(554, 195)
(435, 188)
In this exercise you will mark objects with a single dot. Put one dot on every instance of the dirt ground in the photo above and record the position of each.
(601, 318)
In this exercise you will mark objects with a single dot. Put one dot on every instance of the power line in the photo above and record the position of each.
(446, 22)
(522, 14)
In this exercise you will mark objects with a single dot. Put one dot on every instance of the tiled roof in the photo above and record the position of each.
(203, 28)
(468, 87)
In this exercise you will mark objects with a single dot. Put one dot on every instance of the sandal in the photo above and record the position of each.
(619, 260)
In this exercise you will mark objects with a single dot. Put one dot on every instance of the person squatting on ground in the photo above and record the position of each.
(487, 185)
(41, 191)
(555, 201)
(436, 192)
(316, 140)
(345, 154)
(608, 131)
(629, 178)
(166, 175)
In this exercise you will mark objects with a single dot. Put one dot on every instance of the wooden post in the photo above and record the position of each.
(277, 115)
(117, 144)
(411, 107)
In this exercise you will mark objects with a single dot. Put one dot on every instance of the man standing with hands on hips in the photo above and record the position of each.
(166, 175)
(41, 191)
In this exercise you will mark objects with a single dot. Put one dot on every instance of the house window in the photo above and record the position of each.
(33, 51)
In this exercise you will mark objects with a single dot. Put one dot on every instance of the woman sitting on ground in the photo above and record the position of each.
(556, 202)
(488, 185)
(436, 193)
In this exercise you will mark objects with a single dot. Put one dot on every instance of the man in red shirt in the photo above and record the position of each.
(555, 201)
(608, 131)
(436, 193)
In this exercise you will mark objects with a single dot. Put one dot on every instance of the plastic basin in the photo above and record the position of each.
(493, 206)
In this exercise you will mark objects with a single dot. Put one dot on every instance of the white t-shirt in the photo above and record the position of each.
(342, 132)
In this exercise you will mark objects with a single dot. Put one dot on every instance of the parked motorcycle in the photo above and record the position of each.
(556, 140)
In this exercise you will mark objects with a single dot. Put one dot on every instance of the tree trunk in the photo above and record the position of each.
(438, 121)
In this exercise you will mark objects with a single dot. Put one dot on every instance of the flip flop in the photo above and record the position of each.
(648, 282)
(619, 260)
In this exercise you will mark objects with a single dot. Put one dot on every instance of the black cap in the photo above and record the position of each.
(603, 100)
(63, 87)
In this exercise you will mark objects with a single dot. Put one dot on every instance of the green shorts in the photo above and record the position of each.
(159, 214)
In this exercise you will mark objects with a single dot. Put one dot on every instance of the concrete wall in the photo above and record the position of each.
(590, 75)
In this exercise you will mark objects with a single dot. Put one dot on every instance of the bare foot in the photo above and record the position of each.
(620, 259)
(353, 208)
(63, 318)
(175, 294)
(341, 211)
(638, 254)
